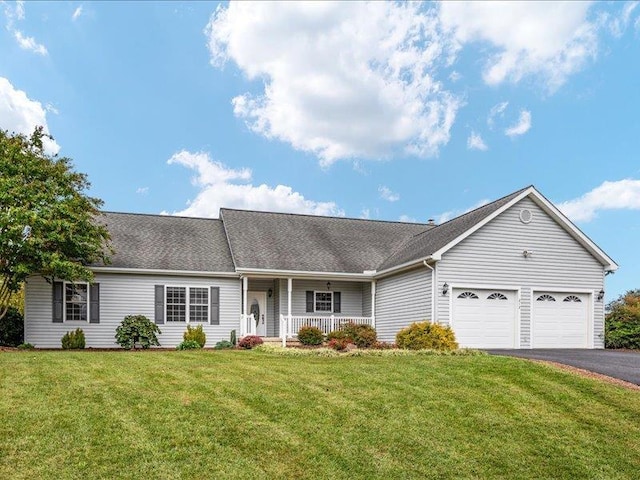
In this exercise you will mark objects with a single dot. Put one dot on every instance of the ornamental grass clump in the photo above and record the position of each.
(195, 334)
(426, 335)
(308, 335)
(73, 340)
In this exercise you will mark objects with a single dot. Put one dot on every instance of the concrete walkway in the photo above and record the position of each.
(624, 365)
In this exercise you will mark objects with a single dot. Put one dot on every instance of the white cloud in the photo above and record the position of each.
(29, 43)
(387, 194)
(618, 23)
(49, 107)
(496, 111)
(549, 40)
(341, 80)
(365, 214)
(221, 186)
(76, 13)
(455, 76)
(619, 195)
(15, 12)
(475, 142)
(521, 127)
(448, 215)
(20, 114)
(142, 190)
(407, 219)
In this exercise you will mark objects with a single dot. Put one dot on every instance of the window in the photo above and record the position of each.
(324, 301)
(572, 298)
(545, 298)
(76, 296)
(196, 303)
(468, 295)
(497, 296)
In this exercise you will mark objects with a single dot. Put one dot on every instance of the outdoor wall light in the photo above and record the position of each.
(328, 285)
(445, 288)
(527, 253)
(600, 295)
(270, 292)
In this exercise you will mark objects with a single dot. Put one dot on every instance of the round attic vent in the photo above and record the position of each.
(525, 215)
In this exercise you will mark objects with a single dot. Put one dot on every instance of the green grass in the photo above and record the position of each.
(233, 414)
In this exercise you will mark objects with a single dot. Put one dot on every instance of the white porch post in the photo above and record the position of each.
(373, 303)
(245, 304)
(289, 290)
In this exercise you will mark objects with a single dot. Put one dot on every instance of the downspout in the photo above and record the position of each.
(433, 291)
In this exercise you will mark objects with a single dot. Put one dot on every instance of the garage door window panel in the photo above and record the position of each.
(469, 295)
(545, 298)
(497, 296)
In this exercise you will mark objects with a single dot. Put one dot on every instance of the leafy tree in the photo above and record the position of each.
(622, 322)
(48, 224)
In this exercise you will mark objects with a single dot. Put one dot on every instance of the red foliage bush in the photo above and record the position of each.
(339, 343)
(250, 341)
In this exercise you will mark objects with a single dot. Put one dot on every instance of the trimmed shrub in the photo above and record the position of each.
(189, 345)
(196, 334)
(250, 341)
(223, 344)
(137, 329)
(363, 336)
(426, 335)
(12, 328)
(338, 335)
(25, 346)
(622, 322)
(308, 335)
(339, 344)
(73, 340)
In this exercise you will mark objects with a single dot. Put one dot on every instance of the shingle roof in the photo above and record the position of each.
(167, 243)
(311, 243)
(429, 242)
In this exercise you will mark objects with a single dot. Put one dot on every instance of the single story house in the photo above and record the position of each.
(514, 273)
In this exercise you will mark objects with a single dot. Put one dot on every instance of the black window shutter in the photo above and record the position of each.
(310, 301)
(58, 298)
(159, 304)
(94, 303)
(336, 302)
(215, 305)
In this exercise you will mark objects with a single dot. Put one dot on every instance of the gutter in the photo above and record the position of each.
(433, 290)
(152, 271)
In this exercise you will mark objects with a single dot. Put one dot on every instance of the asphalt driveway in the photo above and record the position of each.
(624, 365)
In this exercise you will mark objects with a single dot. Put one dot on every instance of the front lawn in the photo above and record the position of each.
(234, 414)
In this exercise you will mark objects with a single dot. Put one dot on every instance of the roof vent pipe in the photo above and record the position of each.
(431, 222)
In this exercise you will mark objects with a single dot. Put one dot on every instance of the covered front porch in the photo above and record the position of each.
(279, 307)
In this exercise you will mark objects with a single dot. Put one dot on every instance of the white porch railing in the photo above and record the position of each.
(326, 324)
(247, 325)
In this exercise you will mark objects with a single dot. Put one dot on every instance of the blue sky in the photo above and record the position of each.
(382, 110)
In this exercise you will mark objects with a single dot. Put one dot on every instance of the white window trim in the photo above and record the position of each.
(187, 316)
(315, 310)
(64, 302)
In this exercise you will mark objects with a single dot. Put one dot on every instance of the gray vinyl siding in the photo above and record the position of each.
(351, 296)
(492, 256)
(401, 300)
(122, 295)
(366, 299)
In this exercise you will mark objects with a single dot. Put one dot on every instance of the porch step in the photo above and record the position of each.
(291, 342)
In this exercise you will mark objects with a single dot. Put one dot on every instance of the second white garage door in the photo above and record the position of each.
(560, 320)
(484, 318)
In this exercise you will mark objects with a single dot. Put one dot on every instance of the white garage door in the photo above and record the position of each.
(560, 320)
(484, 318)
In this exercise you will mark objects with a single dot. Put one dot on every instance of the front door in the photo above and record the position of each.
(258, 307)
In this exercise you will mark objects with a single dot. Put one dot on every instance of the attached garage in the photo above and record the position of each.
(560, 320)
(485, 318)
